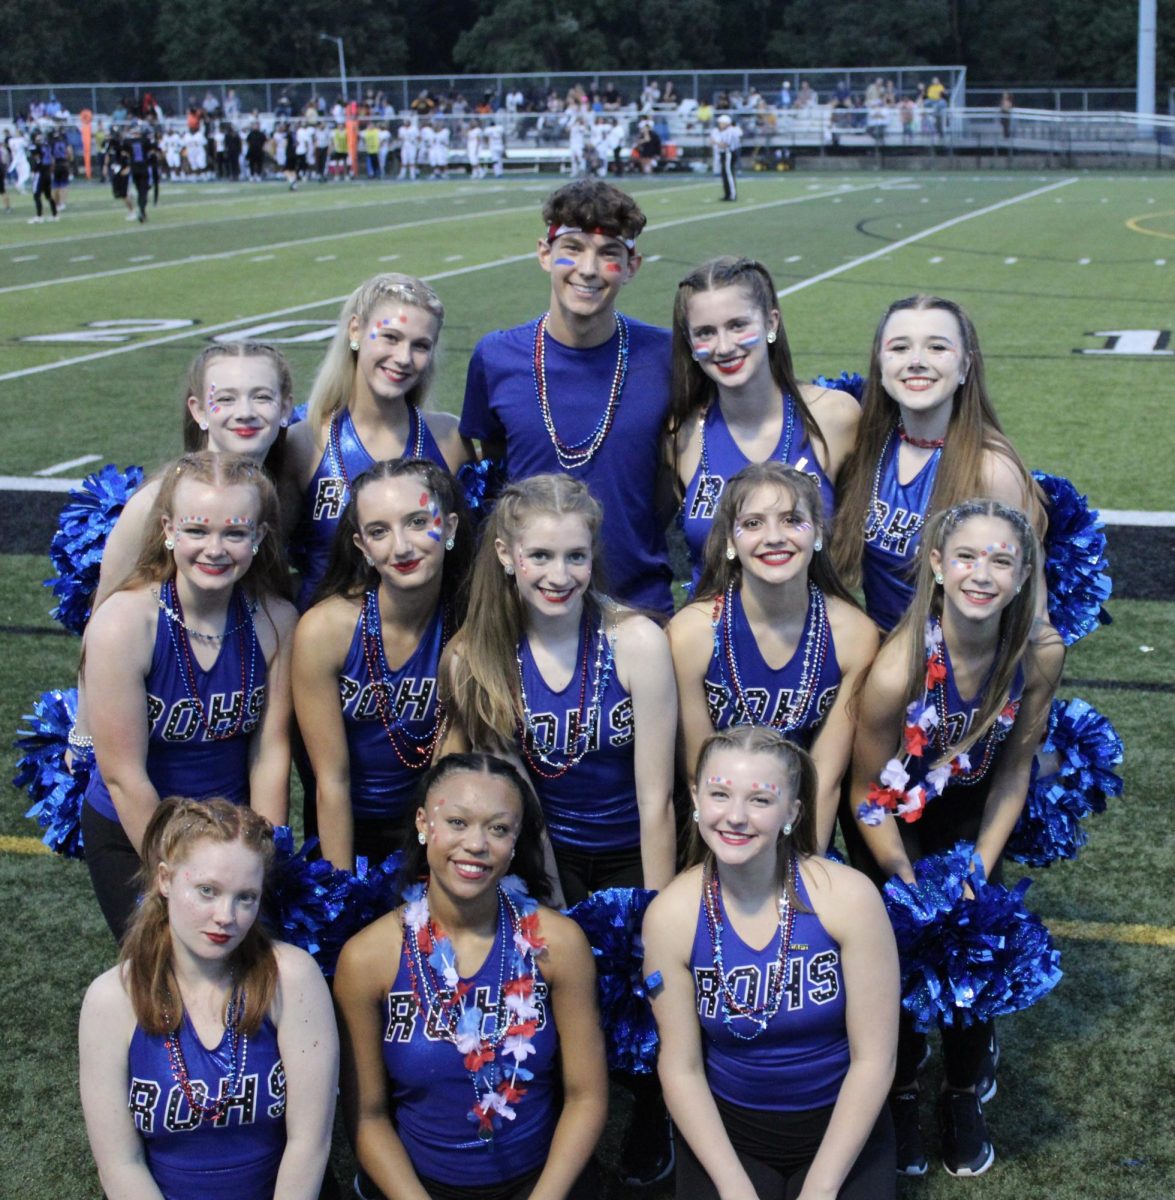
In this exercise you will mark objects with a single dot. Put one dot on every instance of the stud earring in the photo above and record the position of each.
(256, 547)
(450, 542)
(731, 553)
(697, 816)
(938, 578)
(284, 422)
(203, 426)
(787, 830)
(354, 345)
(509, 568)
(818, 544)
(771, 338)
(422, 839)
(369, 560)
(168, 544)
(1018, 587)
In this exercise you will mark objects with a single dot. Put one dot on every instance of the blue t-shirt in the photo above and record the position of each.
(721, 459)
(235, 1156)
(800, 1060)
(892, 532)
(182, 759)
(501, 404)
(432, 1092)
(344, 459)
(382, 784)
(772, 697)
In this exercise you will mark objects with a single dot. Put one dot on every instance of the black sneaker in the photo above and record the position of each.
(647, 1155)
(903, 1107)
(966, 1148)
(985, 1081)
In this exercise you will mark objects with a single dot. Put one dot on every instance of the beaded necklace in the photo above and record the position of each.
(816, 641)
(587, 718)
(926, 727)
(877, 513)
(238, 1053)
(413, 445)
(440, 994)
(789, 424)
(212, 639)
(246, 644)
(921, 443)
(415, 749)
(733, 1008)
(578, 454)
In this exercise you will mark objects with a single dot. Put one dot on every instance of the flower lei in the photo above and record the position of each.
(438, 989)
(925, 722)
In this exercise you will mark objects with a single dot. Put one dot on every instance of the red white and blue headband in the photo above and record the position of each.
(555, 231)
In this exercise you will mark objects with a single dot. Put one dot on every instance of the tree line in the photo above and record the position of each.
(1049, 42)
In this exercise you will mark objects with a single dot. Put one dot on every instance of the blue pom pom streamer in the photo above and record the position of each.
(854, 384)
(967, 960)
(77, 546)
(1076, 569)
(482, 483)
(611, 920)
(297, 414)
(1087, 748)
(316, 907)
(41, 771)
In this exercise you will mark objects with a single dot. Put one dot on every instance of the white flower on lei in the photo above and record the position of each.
(895, 776)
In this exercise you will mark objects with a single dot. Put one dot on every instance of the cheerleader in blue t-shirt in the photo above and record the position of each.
(774, 981)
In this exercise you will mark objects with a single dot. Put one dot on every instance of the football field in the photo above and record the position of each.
(1070, 279)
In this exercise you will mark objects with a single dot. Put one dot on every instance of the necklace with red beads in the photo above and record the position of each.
(876, 515)
(414, 750)
(578, 454)
(921, 443)
(221, 729)
(230, 1084)
(733, 1008)
(336, 464)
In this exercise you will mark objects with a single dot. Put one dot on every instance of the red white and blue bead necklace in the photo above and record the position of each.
(337, 467)
(414, 750)
(238, 1052)
(784, 455)
(796, 715)
(578, 454)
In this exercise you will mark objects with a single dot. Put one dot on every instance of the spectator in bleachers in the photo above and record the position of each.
(891, 95)
(907, 111)
(232, 106)
(611, 97)
(1007, 104)
(936, 104)
(669, 94)
(807, 96)
(785, 98)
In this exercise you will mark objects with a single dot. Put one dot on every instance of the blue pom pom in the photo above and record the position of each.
(317, 907)
(611, 920)
(1076, 570)
(854, 384)
(41, 771)
(297, 415)
(1087, 749)
(77, 547)
(482, 483)
(967, 960)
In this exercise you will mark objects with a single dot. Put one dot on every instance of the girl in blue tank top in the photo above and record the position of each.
(929, 438)
(208, 1055)
(186, 669)
(367, 406)
(736, 399)
(774, 981)
(950, 717)
(474, 1057)
(367, 655)
(773, 638)
(548, 668)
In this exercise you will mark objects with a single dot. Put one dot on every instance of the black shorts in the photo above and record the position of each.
(61, 176)
(121, 185)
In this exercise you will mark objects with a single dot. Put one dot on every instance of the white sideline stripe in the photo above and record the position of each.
(192, 259)
(1134, 516)
(285, 312)
(917, 237)
(269, 316)
(57, 468)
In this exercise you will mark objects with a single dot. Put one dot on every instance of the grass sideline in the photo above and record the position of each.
(1084, 1106)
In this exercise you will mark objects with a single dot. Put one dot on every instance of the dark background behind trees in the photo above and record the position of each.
(1043, 41)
